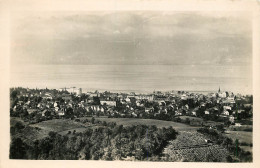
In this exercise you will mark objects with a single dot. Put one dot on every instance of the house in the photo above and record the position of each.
(94, 95)
(20, 103)
(56, 108)
(202, 104)
(207, 112)
(95, 108)
(227, 108)
(43, 112)
(223, 95)
(128, 100)
(138, 103)
(208, 141)
(39, 105)
(226, 113)
(144, 97)
(232, 119)
(55, 104)
(31, 111)
(47, 96)
(61, 113)
(163, 111)
(178, 113)
(161, 102)
(194, 113)
(149, 110)
(184, 97)
(231, 98)
(215, 109)
(238, 124)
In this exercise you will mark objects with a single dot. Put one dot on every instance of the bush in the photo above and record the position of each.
(244, 144)
(52, 134)
(229, 159)
(19, 126)
(248, 129)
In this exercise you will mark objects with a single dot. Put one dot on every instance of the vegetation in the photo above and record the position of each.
(239, 155)
(192, 147)
(52, 124)
(107, 141)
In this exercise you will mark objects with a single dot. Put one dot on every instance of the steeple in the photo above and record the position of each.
(219, 89)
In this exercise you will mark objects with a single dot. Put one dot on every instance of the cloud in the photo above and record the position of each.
(133, 38)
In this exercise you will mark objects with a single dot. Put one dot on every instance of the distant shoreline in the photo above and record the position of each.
(86, 90)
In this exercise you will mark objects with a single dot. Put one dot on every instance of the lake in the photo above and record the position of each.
(139, 78)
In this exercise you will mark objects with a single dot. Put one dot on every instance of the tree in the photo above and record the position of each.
(19, 126)
(18, 149)
(187, 120)
(69, 113)
(96, 100)
(93, 120)
(24, 114)
(229, 159)
(52, 134)
(14, 94)
(220, 127)
(227, 142)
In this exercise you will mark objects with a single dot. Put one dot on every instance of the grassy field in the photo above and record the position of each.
(191, 118)
(40, 130)
(158, 123)
(242, 136)
(58, 125)
(247, 148)
(62, 126)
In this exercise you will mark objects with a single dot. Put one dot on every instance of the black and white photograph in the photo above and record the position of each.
(131, 85)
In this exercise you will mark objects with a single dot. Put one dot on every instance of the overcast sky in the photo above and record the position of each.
(212, 39)
(132, 38)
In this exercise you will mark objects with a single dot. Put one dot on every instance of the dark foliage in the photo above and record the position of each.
(110, 142)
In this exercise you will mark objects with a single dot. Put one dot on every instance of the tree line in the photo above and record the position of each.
(106, 141)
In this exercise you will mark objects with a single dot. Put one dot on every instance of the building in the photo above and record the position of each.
(232, 119)
(47, 96)
(184, 97)
(222, 95)
(194, 113)
(73, 90)
(78, 91)
(227, 108)
(66, 97)
(207, 112)
(145, 97)
(108, 103)
(226, 113)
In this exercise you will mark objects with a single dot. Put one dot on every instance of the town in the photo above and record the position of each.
(221, 112)
(36, 105)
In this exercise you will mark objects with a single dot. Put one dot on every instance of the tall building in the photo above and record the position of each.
(79, 91)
